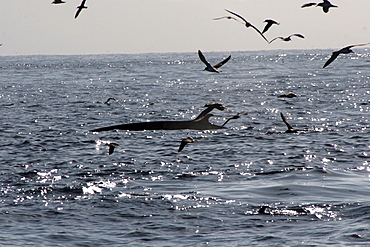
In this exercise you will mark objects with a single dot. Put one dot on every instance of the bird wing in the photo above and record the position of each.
(83, 3)
(298, 35)
(78, 12)
(286, 122)
(111, 149)
(222, 63)
(334, 55)
(268, 25)
(258, 31)
(182, 145)
(308, 5)
(241, 17)
(350, 46)
(203, 59)
(275, 39)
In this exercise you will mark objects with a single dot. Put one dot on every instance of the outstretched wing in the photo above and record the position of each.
(334, 55)
(298, 35)
(286, 122)
(275, 39)
(241, 17)
(78, 12)
(203, 59)
(222, 63)
(308, 5)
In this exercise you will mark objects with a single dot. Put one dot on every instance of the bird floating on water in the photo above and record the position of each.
(269, 23)
(186, 141)
(209, 67)
(344, 50)
(248, 24)
(326, 5)
(80, 8)
(57, 2)
(289, 38)
(287, 95)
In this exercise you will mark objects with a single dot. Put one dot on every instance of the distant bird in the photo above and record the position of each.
(57, 2)
(82, 6)
(227, 17)
(344, 50)
(111, 145)
(290, 128)
(248, 24)
(210, 107)
(287, 95)
(326, 5)
(186, 141)
(269, 23)
(234, 117)
(109, 99)
(289, 38)
(209, 67)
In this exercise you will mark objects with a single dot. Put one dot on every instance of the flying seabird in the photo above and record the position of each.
(269, 24)
(210, 107)
(234, 117)
(248, 24)
(186, 141)
(209, 67)
(82, 6)
(290, 128)
(288, 38)
(344, 50)
(110, 98)
(287, 95)
(111, 145)
(325, 5)
(57, 2)
(227, 17)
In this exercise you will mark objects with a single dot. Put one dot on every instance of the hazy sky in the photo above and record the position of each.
(140, 26)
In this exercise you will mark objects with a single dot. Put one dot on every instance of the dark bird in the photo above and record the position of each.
(209, 67)
(82, 6)
(248, 24)
(109, 99)
(227, 17)
(57, 2)
(290, 128)
(186, 141)
(344, 50)
(234, 117)
(269, 23)
(289, 38)
(210, 107)
(111, 145)
(287, 95)
(326, 5)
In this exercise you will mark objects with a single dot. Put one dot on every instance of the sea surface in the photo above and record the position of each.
(251, 184)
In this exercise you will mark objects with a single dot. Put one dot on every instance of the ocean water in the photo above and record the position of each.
(251, 184)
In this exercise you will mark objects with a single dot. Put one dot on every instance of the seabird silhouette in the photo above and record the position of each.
(287, 95)
(186, 141)
(344, 50)
(289, 38)
(109, 99)
(82, 6)
(234, 117)
(227, 17)
(57, 2)
(209, 67)
(210, 107)
(111, 145)
(269, 23)
(290, 128)
(326, 5)
(248, 24)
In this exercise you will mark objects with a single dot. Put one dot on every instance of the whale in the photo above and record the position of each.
(196, 124)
